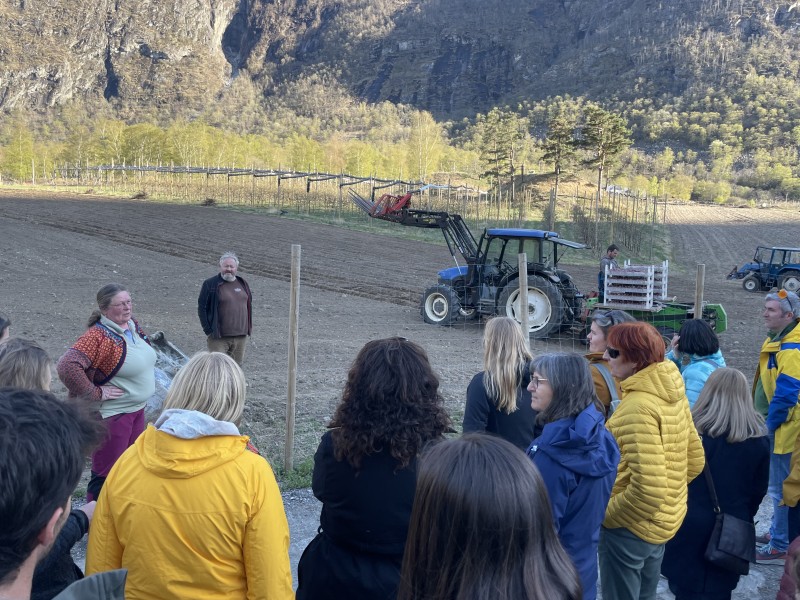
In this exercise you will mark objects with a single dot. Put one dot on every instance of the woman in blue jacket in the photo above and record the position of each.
(695, 351)
(576, 455)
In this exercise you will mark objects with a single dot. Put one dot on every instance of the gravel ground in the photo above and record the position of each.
(302, 512)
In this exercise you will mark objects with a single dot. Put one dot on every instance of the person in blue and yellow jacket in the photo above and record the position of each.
(776, 387)
(660, 454)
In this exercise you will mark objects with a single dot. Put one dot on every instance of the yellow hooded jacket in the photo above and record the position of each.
(660, 454)
(192, 519)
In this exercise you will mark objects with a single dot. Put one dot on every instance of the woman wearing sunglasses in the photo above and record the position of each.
(660, 454)
(606, 387)
(576, 456)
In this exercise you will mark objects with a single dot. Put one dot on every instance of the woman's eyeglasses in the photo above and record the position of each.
(612, 352)
(536, 380)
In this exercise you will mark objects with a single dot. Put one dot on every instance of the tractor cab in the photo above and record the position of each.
(498, 251)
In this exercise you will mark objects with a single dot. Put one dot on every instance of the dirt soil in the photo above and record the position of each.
(58, 250)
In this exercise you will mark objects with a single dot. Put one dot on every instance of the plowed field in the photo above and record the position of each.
(57, 250)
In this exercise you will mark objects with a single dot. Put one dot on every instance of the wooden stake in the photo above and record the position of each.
(294, 309)
(523, 296)
(700, 283)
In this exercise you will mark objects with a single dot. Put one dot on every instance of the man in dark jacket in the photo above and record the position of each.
(225, 308)
(42, 445)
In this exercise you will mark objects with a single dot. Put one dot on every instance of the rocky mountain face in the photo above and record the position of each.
(451, 57)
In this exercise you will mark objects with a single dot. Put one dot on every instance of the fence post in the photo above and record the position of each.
(700, 283)
(522, 313)
(294, 309)
(339, 202)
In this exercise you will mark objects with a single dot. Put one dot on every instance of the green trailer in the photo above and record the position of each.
(668, 317)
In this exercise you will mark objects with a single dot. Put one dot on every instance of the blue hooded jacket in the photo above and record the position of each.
(577, 458)
(696, 371)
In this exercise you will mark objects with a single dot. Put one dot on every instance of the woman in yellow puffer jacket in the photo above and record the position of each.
(190, 510)
(660, 454)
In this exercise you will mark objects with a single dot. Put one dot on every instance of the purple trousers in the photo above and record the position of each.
(122, 431)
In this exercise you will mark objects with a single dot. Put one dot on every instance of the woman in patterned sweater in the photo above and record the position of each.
(111, 366)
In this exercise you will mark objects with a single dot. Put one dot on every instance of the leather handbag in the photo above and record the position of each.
(732, 545)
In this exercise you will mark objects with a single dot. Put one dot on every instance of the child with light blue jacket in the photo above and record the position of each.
(695, 351)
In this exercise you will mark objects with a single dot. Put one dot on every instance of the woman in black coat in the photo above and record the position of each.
(365, 473)
(498, 400)
(737, 453)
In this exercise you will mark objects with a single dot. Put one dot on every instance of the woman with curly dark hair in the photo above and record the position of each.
(365, 473)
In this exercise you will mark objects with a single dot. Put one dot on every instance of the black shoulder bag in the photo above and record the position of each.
(733, 541)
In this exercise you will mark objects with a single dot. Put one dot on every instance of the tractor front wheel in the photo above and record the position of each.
(751, 283)
(440, 305)
(545, 306)
(790, 281)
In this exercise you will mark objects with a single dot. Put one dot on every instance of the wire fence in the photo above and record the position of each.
(629, 219)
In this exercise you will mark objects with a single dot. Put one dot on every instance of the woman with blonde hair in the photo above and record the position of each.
(498, 400)
(189, 497)
(24, 364)
(737, 456)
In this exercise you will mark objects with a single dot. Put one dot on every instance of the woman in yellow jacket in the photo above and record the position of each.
(660, 454)
(189, 509)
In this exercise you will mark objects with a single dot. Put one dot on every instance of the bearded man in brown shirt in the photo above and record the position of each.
(225, 308)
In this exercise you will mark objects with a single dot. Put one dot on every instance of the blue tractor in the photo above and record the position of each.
(772, 266)
(486, 281)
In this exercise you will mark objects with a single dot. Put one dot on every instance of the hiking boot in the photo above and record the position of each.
(763, 539)
(767, 555)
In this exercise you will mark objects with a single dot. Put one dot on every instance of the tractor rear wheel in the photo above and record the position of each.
(545, 306)
(440, 305)
(751, 283)
(790, 281)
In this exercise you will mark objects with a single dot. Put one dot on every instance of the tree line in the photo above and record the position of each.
(544, 144)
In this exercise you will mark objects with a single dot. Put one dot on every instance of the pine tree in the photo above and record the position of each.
(559, 149)
(500, 135)
(604, 135)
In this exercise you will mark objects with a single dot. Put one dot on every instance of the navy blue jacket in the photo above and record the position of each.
(578, 460)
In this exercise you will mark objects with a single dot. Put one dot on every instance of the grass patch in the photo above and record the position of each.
(299, 477)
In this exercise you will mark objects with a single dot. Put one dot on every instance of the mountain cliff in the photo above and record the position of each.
(453, 58)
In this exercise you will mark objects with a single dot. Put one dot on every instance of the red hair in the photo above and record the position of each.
(639, 343)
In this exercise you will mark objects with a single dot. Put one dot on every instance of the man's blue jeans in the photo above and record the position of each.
(778, 471)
